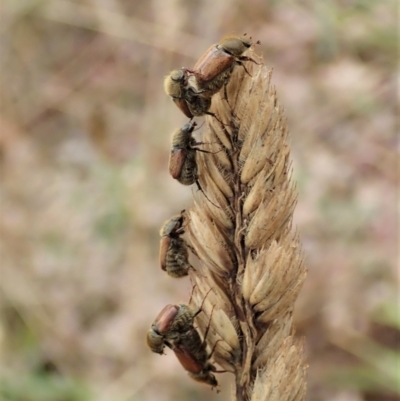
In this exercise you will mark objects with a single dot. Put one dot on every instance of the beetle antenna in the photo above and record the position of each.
(215, 116)
(211, 354)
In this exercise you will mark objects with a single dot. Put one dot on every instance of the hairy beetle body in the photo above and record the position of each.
(235, 45)
(199, 370)
(184, 96)
(211, 72)
(182, 161)
(168, 326)
(214, 68)
(198, 104)
(175, 82)
(174, 253)
(191, 352)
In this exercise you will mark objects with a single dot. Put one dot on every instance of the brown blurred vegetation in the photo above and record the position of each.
(85, 131)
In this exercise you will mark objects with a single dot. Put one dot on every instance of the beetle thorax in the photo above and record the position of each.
(235, 45)
(182, 140)
(174, 83)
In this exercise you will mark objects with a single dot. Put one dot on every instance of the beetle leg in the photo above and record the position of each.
(208, 326)
(212, 367)
(240, 63)
(191, 294)
(180, 231)
(245, 58)
(194, 91)
(205, 143)
(202, 143)
(214, 115)
(201, 189)
(201, 306)
(226, 95)
(207, 151)
(192, 250)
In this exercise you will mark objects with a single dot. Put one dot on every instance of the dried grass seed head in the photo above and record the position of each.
(247, 245)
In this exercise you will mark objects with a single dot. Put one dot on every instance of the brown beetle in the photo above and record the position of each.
(173, 249)
(170, 323)
(182, 160)
(168, 326)
(199, 370)
(215, 66)
(192, 354)
(175, 84)
(188, 99)
(210, 73)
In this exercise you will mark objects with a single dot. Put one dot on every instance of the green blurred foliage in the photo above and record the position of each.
(42, 387)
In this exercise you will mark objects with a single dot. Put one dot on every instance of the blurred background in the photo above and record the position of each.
(84, 146)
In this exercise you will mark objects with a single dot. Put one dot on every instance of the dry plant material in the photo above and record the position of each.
(250, 256)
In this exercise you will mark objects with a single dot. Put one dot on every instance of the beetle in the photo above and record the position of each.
(197, 369)
(214, 68)
(211, 72)
(187, 98)
(174, 253)
(170, 323)
(182, 159)
(173, 327)
(175, 84)
(192, 354)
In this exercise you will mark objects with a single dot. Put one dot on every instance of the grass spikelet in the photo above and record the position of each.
(250, 256)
